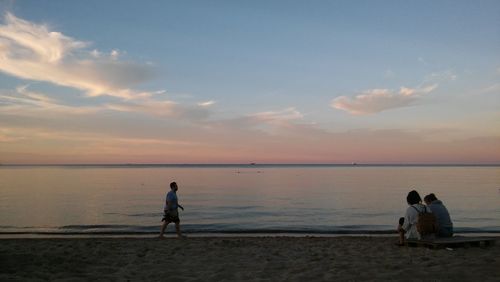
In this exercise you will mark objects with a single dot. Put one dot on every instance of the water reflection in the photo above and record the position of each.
(243, 197)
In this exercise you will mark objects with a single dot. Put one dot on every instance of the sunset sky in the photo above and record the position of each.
(249, 81)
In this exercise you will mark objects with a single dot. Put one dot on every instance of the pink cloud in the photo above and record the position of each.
(378, 100)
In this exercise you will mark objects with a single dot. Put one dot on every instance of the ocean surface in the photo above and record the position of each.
(295, 199)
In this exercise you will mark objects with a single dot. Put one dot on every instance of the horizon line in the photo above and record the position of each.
(252, 164)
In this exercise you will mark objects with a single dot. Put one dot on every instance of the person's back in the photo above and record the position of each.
(407, 227)
(443, 218)
(445, 226)
(410, 221)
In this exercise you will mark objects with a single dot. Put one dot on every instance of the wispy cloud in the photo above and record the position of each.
(29, 139)
(441, 76)
(278, 117)
(145, 142)
(283, 115)
(35, 52)
(206, 104)
(8, 135)
(268, 122)
(378, 100)
(159, 108)
(494, 88)
(25, 102)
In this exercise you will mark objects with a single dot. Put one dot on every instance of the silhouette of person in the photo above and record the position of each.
(170, 211)
(445, 226)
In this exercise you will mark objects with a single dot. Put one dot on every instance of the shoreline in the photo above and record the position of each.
(189, 229)
(70, 235)
(351, 258)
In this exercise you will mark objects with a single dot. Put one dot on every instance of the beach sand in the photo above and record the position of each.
(241, 259)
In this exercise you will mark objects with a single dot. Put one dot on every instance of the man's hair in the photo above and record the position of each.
(172, 185)
(413, 198)
(430, 198)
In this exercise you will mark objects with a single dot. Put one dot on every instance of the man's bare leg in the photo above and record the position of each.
(178, 230)
(163, 227)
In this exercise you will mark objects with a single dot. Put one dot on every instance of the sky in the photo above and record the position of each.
(106, 82)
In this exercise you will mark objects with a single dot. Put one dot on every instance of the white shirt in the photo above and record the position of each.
(411, 218)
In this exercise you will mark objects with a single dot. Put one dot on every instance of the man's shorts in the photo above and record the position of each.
(171, 216)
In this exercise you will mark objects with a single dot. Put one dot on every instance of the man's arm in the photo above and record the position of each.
(182, 208)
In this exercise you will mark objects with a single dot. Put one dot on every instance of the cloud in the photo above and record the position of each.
(269, 122)
(494, 88)
(30, 140)
(206, 104)
(114, 54)
(104, 139)
(24, 102)
(8, 135)
(278, 117)
(441, 76)
(378, 100)
(34, 52)
(159, 108)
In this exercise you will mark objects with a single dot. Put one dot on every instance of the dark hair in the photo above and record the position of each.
(172, 185)
(413, 198)
(430, 198)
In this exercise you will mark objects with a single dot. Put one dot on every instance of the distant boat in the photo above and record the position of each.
(354, 163)
(252, 163)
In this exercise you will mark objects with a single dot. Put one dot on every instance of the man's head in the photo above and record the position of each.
(430, 198)
(173, 186)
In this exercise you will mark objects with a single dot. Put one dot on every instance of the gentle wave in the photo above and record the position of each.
(218, 229)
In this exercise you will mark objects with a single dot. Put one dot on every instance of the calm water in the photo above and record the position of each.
(324, 199)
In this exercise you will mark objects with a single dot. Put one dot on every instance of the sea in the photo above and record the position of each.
(55, 200)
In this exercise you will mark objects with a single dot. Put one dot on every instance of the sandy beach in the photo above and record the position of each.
(241, 259)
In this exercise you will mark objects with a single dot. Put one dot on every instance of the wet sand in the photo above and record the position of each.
(241, 259)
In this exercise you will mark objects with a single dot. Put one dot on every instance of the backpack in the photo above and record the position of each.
(426, 222)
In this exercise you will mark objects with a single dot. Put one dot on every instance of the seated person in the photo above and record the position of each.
(445, 226)
(407, 227)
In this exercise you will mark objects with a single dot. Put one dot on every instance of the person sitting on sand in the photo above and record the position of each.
(407, 227)
(445, 226)
(171, 213)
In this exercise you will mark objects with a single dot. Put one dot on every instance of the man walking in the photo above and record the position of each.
(171, 213)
